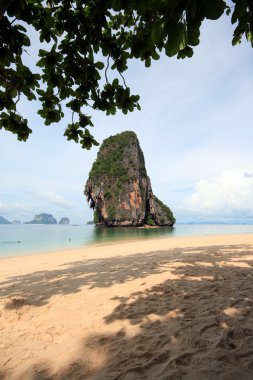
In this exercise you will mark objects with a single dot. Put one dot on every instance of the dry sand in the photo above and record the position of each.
(178, 308)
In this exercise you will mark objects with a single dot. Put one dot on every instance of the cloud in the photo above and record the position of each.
(248, 175)
(54, 199)
(229, 195)
(15, 210)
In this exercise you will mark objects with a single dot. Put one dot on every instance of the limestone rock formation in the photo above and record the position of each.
(43, 219)
(118, 188)
(64, 220)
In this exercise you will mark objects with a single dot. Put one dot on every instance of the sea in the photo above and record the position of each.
(23, 239)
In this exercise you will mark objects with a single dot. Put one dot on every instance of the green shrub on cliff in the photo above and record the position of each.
(114, 163)
(111, 212)
(96, 218)
(150, 221)
(166, 209)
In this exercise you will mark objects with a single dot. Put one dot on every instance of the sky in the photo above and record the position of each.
(195, 130)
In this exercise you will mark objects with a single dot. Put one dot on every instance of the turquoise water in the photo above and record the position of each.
(24, 239)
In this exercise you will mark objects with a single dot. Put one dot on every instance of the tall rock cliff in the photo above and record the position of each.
(118, 188)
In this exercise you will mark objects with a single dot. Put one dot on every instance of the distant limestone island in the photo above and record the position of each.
(64, 220)
(38, 219)
(47, 219)
(4, 221)
(118, 188)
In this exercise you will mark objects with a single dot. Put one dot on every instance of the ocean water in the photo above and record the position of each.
(16, 240)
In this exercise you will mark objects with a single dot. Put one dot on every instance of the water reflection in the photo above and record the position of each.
(103, 234)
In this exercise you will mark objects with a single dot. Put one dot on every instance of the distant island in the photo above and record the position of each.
(64, 220)
(43, 219)
(118, 188)
(38, 219)
(4, 221)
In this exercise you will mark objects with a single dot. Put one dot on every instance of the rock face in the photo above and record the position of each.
(3, 220)
(64, 220)
(43, 219)
(118, 188)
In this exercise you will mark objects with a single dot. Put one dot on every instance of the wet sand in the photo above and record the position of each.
(177, 308)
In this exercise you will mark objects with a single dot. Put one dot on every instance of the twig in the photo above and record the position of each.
(123, 79)
(13, 20)
(17, 99)
(7, 361)
(122, 76)
(88, 104)
(108, 60)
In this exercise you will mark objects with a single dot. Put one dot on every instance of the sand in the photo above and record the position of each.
(177, 308)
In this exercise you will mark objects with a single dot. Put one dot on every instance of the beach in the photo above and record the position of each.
(168, 308)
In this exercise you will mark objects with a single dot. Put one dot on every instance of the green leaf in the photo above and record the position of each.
(156, 34)
(175, 38)
(213, 9)
(155, 56)
(115, 82)
(116, 5)
(236, 39)
(148, 62)
(239, 11)
(99, 65)
(249, 37)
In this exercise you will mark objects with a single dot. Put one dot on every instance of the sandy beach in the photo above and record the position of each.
(178, 308)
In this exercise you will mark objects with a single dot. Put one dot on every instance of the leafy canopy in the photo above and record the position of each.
(87, 38)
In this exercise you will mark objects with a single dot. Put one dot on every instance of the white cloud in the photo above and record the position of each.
(55, 199)
(15, 210)
(248, 175)
(230, 194)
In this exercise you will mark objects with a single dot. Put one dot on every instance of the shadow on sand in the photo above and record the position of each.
(198, 326)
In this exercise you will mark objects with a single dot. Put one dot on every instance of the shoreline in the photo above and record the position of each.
(141, 309)
(45, 239)
(119, 242)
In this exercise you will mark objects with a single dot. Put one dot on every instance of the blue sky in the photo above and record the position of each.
(195, 129)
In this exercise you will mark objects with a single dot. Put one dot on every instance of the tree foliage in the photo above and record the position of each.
(87, 39)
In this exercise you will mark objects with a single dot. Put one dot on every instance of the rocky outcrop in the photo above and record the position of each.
(43, 219)
(118, 188)
(64, 220)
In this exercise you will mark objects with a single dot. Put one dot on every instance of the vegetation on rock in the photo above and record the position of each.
(165, 209)
(110, 163)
